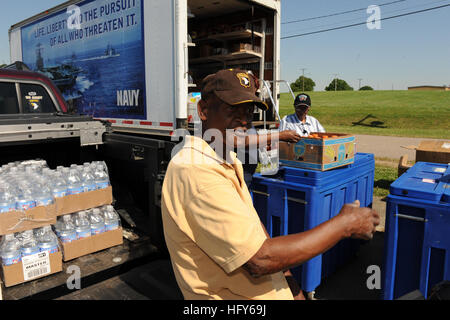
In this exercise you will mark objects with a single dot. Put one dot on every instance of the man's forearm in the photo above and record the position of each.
(260, 139)
(281, 253)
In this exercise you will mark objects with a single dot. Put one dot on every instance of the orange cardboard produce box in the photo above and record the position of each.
(83, 201)
(32, 267)
(18, 221)
(319, 151)
(82, 247)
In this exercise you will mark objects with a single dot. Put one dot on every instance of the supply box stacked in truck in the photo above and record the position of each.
(135, 63)
(135, 66)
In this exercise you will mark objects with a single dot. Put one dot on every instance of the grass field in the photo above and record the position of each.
(384, 176)
(423, 114)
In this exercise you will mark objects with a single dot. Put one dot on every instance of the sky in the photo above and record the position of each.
(406, 51)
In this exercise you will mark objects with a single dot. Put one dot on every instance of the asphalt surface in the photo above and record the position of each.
(388, 147)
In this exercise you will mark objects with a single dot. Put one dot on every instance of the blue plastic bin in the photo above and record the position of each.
(417, 235)
(296, 200)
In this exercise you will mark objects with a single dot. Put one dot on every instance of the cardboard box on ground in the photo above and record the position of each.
(427, 151)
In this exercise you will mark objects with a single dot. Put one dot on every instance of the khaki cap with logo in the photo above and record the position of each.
(233, 86)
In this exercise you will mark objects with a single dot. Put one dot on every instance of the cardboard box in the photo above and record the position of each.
(432, 151)
(82, 247)
(32, 267)
(238, 47)
(18, 221)
(83, 201)
(322, 153)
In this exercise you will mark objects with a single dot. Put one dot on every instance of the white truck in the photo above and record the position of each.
(137, 63)
(136, 66)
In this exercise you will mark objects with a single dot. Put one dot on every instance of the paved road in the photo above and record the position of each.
(388, 147)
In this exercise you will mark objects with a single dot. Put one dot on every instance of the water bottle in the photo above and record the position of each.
(101, 177)
(48, 241)
(59, 185)
(10, 250)
(95, 164)
(7, 201)
(44, 195)
(67, 231)
(97, 222)
(74, 182)
(82, 225)
(65, 173)
(25, 199)
(88, 180)
(112, 219)
(29, 243)
(57, 225)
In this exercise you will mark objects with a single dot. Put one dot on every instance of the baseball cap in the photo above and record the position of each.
(232, 86)
(302, 99)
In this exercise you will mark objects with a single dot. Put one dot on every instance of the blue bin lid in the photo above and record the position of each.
(426, 181)
(316, 178)
(446, 197)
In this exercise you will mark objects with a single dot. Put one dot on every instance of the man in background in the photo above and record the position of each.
(300, 121)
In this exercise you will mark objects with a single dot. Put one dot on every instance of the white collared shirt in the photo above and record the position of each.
(292, 122)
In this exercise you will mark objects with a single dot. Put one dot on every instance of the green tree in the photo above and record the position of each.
(338, 85)
(2, 65)
(365, 88)
(303, 84)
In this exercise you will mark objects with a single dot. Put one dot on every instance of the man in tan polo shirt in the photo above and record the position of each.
(218, 246)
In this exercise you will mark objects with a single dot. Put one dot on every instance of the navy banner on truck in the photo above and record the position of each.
(94, 53)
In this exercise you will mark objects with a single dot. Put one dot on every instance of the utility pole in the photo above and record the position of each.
(335, 81)
(303, 79)
(359, 84)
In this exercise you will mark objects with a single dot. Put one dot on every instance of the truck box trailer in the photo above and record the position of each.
(136, 63)
(132, 65)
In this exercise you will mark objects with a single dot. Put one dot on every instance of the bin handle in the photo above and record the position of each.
(404, 216)
(296, 200)
(261, 193)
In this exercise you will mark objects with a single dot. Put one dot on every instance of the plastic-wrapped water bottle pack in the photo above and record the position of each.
(86, 223)
(27, 184)
(15, 246)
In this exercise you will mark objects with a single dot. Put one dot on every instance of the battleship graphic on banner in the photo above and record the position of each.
(99, 65)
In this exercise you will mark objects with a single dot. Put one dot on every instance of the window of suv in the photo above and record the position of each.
(35, 99)
(8, 98)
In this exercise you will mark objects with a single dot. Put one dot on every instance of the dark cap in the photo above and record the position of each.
(232, 86)
(302, 100)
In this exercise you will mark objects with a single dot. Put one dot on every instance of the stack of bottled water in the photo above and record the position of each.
(15, 246)
(25, 185)
(84, 224)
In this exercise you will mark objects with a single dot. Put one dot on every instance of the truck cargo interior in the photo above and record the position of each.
(231, 34)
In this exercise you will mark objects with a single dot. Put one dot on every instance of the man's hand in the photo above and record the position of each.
(361, 221)
(289, 136)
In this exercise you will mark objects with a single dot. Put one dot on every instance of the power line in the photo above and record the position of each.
(362, 23)
(353, 20)
(340, 13)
